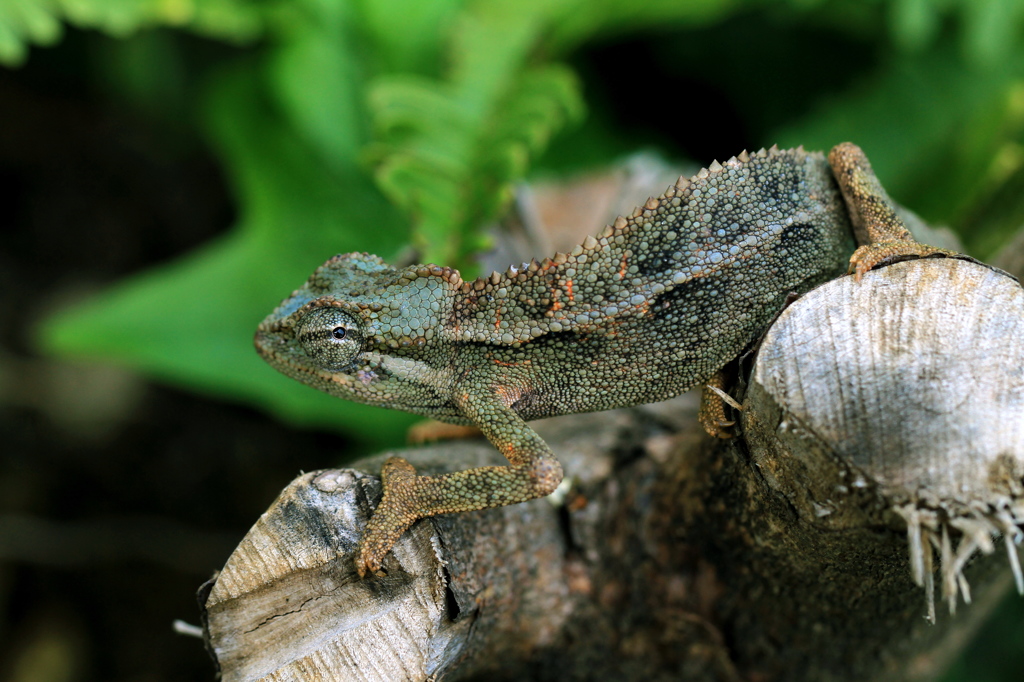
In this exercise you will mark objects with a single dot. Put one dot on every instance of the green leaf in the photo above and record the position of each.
(931, 127)
(409, 34)
(315, 77)
(991, 29)
(583, 20)
(914, 23)
(449, 149)
(191, 322)
(25, 22)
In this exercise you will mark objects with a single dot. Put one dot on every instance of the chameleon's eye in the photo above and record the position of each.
(330, 337)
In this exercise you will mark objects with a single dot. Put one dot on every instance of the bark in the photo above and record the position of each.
(881, 450)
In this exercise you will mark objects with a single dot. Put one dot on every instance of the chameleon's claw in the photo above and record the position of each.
(718, 429)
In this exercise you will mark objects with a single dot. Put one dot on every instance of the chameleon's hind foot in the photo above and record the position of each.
(871, 255)
(713, 399)
(876, 223)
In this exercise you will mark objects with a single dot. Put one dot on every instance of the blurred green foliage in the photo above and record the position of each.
(373, 125)
(23, 22)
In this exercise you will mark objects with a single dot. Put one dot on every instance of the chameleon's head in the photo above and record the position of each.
(365, 331)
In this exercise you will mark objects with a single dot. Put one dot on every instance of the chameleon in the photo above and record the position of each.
(654, 305)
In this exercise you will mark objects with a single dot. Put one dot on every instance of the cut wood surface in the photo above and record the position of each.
(922, 398)
(881, 449)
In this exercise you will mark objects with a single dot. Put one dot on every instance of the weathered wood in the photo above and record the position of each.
(893, 407)
(872, 408)
(920, 397)
(288, 600)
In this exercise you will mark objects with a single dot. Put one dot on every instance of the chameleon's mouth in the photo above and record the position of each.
(273, 348)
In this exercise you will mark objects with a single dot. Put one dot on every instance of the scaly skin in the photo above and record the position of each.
(879, 230)
(653, 306)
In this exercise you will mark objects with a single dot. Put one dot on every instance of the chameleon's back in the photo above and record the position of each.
(660, 301)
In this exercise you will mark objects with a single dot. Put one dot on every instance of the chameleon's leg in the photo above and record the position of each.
(534, 472)
(880, 231)
(712, 408)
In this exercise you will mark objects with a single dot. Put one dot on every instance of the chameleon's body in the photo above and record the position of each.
(653, 306)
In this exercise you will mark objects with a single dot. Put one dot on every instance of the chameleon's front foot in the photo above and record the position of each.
(395, 513)
(533, 473)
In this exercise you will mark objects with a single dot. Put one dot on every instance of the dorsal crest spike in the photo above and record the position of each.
(651, 204)
(715, 167)
(744, 156)
(620, 223)
(682, 183)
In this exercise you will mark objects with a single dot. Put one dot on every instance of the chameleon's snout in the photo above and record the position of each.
(262, 342)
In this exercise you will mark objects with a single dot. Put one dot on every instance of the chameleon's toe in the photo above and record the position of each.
(871, 255)
(395, 513)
